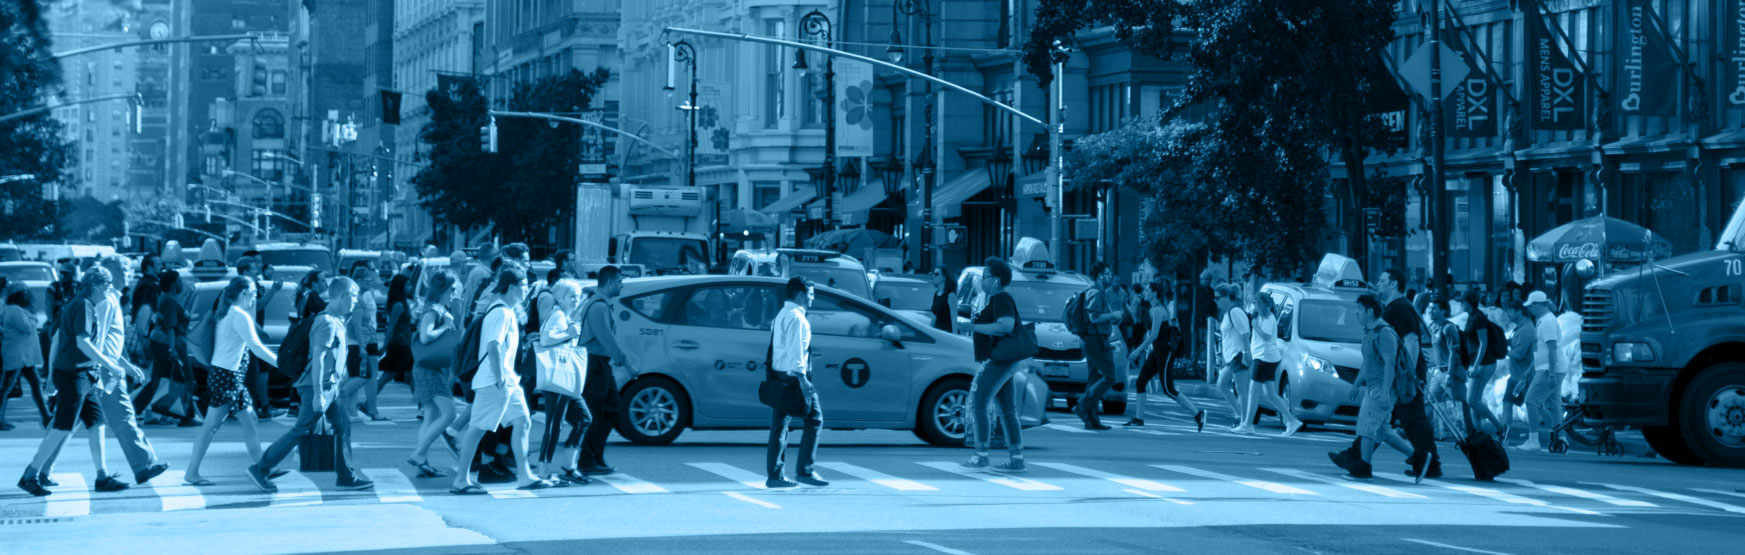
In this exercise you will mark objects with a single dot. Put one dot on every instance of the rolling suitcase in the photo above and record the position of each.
(1482, 451)
(315, 450)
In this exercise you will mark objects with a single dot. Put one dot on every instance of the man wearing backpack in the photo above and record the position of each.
(1375, 388)
(1408, 410)
(319, 389)
(1096, 329)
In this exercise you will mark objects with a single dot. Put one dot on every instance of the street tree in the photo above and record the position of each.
(527, 186)
(1284, 83)
(31, 145)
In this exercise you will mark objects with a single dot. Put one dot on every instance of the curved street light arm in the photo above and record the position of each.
(102, 47)
(269, 212)
(168, 225)
(603, 127)
(853, 56)
(41, 109)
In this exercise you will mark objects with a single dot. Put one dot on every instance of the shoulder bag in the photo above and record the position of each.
(1016, 346)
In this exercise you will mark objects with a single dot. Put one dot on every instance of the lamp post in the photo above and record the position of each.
(919, 8)
(816, 26)
(684, 53)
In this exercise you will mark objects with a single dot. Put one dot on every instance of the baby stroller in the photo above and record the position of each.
(1604, 439)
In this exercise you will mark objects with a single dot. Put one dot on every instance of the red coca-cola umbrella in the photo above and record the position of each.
(1600, 239)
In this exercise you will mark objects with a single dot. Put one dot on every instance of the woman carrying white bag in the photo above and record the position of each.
(562, 367)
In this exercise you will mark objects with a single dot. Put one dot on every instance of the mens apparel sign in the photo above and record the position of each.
(853, 109)
(1556, 91)
(1646, 64)
(1471, 109)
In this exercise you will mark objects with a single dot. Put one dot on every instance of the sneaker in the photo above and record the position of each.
(46, 482)
(778, 483)
(1243, 430)
(32, 486)
(260, 479)
(1292, 429)
(596, 469)
(1359, 470)
(146, 475)
(1014, 466)
(977, 462)
(812, 479)
(1343, 460)
(355, 483)
(1084, 416)
(110, 483)
(1199, 421)
(1134, 423)
(1435, 469)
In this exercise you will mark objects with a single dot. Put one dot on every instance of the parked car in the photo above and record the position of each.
(826, 268)
(697, 349)
(37, 277)
(291, 261)
(1322, 329)
(278, 306)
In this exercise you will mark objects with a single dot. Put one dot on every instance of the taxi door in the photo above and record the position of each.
(860, 377)
(717, 343)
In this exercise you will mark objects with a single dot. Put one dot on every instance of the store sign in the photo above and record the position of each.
(1646, 63)
(1471, 107)
(1556, 95)
(1733, 41)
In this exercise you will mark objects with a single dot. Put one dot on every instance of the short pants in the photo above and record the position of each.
(496, 404)
(1376, 414)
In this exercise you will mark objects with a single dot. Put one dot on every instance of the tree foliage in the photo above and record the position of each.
(527, 186)
(30, 145)
(1287, 82)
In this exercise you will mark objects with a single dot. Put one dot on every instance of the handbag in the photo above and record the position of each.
(436, 354)
(1020, 345)
(201, 339)
(561, 369)
(783, 395)
(315, 450)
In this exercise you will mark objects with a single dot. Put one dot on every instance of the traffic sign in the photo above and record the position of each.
(1416, 70)
(591, 169)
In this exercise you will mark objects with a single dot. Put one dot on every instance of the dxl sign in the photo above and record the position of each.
(1555, 95)
(1471, 108)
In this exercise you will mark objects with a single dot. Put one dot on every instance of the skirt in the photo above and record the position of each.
(228, 387)
(429, 383)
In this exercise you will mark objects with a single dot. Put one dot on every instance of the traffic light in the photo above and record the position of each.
(258, 80)
(488, 136)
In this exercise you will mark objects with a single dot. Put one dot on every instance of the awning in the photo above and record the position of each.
(1568, 150)
(947, 198)
(789, 203)
(862, 200)
(1649, 145)
(1726, 139)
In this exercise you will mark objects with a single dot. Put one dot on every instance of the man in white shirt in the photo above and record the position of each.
(791, 362)
(1544, 402)
(319, 390)
(498, 399)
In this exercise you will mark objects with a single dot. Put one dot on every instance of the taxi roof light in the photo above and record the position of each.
(1339, 272)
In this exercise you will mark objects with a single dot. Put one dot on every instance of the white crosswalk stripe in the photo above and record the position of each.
(1256, 484)
(629, 484)
(392, 486)
(508, 491)
(1719, 492)
(1143, 484)
(1013, 482)
(1150, 432)
(877, 477)
(730, 472)
(176, 495)
(1066, 428)
(1367, 488)
(295, 490)
(1584, 494)
(1491, 493)
(1674, 496)
(71, 498)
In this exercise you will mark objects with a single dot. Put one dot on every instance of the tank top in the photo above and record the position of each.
(942, 316)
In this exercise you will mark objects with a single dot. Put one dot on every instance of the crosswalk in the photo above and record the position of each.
(902, 481)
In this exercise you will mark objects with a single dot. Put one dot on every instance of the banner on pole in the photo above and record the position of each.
(1556, 92)
(1471, 109)
(1733, 44)
(1646, 63)
(853, 110)
(713, 135)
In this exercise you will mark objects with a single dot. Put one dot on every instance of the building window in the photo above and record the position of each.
(214, 165)
(267, 165)
(897, 132)
(997, 123)
(279, 80)
(269, 124)
(774, 93)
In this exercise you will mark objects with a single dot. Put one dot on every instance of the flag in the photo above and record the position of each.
(1556, 92)
(1733, 48)
(853, 110)
(390, 107)
(1645, 64)
(1471, 110)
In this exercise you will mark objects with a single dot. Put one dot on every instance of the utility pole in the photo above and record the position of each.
(1055, 179)
(1438, 187)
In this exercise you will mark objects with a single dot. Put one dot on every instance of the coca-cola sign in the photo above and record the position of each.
(1578, 251)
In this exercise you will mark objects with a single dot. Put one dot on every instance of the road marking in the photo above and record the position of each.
(509, 491)
(1146, 485)
(1150, 432)
(1572, 492)
(295, 490)
(1674, 497)
(751, 500)
(724, 470)
(71, 498)
(1453, 547)
(1368, 488)
(629, 484)
(380, 423)
(988, 476)
(392, 486)
(1256, 484)
(937, 547)
(1066, 428)
(1217, 432)
(1493, 494)
(877, 477)
(1716, 491)
(176, 495)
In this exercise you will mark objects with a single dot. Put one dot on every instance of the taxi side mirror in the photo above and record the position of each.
(892, 334)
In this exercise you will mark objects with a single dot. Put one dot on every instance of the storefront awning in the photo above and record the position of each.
(948, 198)
(790, 202)
(856, 207)
(1571, 151)
(1729, 139)
(1649, 145)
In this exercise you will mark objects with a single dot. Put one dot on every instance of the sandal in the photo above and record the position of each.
(471, 489)
(575, 477)
(536, 484)
(198, 483)
(425, 470)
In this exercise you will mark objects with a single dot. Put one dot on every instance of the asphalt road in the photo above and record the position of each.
(1162, 489)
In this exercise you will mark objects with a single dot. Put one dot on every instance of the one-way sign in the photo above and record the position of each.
(1416, 70)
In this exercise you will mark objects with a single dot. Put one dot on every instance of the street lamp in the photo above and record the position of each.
(684, 53)
(816, 26)
(920, 9)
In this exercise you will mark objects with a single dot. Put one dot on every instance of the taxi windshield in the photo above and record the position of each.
(1042, 301)
(906, 295)
(849, 280)
(1330, 321)
(21, 273)
(312, 258)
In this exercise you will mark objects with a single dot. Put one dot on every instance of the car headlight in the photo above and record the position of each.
(1319, 364)
(1627, 351)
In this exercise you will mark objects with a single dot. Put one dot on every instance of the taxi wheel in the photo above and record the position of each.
(944, 416)
(656, 410)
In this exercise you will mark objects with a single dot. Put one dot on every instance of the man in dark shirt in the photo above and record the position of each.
(1410, 413)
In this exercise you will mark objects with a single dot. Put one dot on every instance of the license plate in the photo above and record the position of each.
(1054, 370)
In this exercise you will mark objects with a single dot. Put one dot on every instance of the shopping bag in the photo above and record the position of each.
(315, 451)
(562, 370)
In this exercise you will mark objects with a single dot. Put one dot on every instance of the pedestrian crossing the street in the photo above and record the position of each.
(901, 482)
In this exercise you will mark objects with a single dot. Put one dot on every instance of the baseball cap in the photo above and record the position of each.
(1537, 297)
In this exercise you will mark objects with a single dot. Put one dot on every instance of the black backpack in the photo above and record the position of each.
(1498, 347)
(466, 354)
(294, 349)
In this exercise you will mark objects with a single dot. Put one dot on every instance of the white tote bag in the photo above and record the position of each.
(562, 369)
